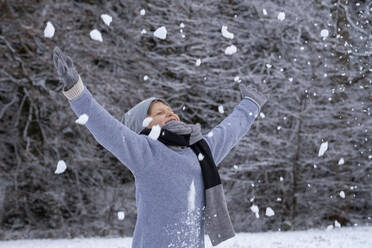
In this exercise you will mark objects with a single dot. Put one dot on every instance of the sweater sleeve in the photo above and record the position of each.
(132, 149)
(222, 138)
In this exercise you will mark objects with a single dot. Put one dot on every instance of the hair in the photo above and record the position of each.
(157, 100)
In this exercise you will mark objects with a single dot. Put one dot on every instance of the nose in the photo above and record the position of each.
(170, 112)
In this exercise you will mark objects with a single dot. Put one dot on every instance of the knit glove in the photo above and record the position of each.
(65, 68)
(249, 92)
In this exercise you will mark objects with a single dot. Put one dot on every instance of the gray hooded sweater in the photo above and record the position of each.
(169, 183)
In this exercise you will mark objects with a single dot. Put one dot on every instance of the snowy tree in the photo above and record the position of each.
(311, 58)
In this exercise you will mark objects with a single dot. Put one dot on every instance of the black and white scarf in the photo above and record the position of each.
(217, 220)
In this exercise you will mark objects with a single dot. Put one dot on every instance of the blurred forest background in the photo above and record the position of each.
(313, 62)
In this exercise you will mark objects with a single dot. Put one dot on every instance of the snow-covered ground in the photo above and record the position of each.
(356, 237)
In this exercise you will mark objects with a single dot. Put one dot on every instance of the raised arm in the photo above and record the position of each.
(222, 138)
(132, 149)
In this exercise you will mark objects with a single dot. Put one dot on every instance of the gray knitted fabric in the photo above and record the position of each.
(66, 70)
(135, 116)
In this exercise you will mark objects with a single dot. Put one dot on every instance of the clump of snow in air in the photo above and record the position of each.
(220, 109)
(210, 134)
(226, 33)
(237, 79)
(49, 30)
(96, 35)
(341, 161)
(269, 212)
(161, 33)
(155, 132)
(143, 12)
(324, 33)
(182, 25)
(337, 224)
(82, 119)
(255, 210)
(342, 194)
(281, 16)
(323, 148)
(198, 62)
(107, 19)
(191, 197)
(230, 50)
(268, 65)
(281, 179)
(146, 121)
(264, 11)
(200, 157)
(143, 31)
(262, 115)
(121, 215)
(236, 167)
(145, 77)
(61, 167)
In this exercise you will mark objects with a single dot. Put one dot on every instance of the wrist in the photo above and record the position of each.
(75, 90)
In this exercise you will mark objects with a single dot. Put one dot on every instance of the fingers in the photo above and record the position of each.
(69, 61)
(55, 60)
(58, 54)
(59, 60)
(62, 68)
(242, 88)
(65, 68)
(56, 50)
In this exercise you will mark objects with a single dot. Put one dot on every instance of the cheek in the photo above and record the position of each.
(158, 120)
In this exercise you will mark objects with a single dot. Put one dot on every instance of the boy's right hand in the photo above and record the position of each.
(65, 68)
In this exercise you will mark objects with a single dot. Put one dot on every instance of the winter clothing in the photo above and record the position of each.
(182, 128)
(170, 188)
(135, 116)
(65, 68)
(249, 92)
(217, 220)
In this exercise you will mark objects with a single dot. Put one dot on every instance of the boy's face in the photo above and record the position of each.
(161, 114)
